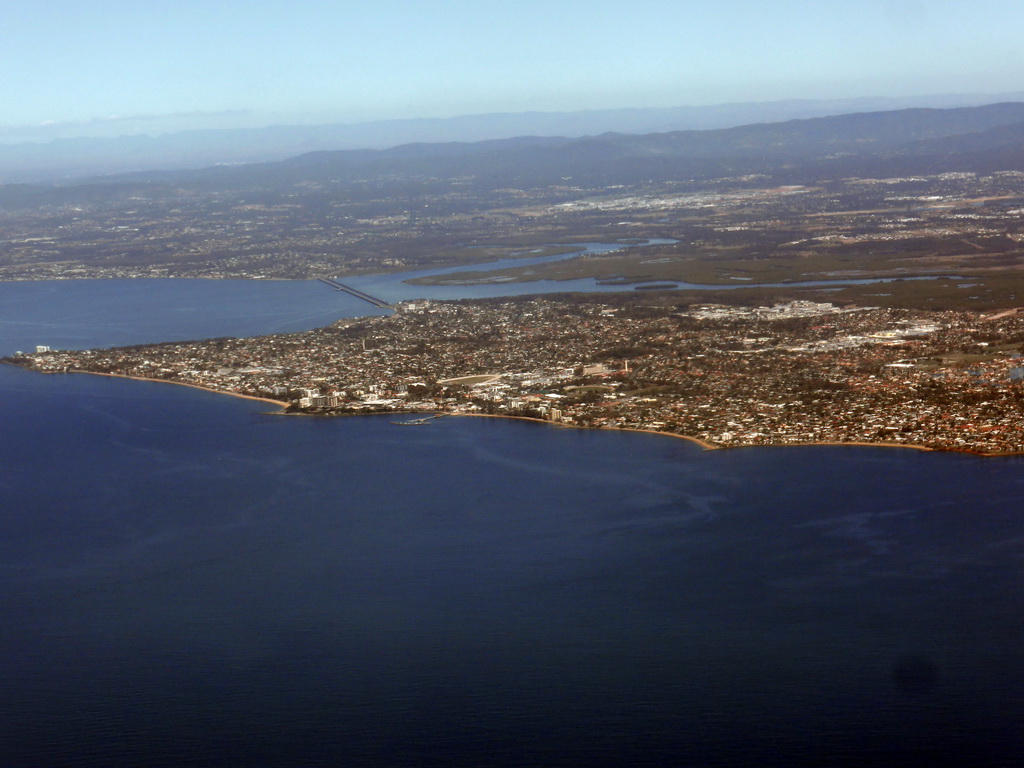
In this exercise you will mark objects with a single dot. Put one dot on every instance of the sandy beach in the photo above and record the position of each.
(282, 404)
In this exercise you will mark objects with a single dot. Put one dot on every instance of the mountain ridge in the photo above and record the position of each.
(64, 158)
(886, 143)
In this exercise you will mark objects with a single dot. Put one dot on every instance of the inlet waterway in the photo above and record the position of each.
(60, 313)
(396, 287)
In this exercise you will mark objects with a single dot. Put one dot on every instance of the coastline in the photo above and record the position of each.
(279, 403)
(282, 405)
(712, 447)
(562, 425)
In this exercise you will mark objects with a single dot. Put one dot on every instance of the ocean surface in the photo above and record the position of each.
(188, 580)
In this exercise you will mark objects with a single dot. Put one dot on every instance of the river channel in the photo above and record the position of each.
(396, 287)
(63, 314)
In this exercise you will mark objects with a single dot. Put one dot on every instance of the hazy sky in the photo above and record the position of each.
(133, 62)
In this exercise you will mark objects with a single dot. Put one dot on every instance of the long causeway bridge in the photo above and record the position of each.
(354, 292)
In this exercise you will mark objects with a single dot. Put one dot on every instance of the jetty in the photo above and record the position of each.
(416, 422)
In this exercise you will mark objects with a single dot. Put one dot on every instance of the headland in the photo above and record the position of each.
(799, 373)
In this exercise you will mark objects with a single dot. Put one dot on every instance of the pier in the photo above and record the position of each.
(354, 292)
(417, 422)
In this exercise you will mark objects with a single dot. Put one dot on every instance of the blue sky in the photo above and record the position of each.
(102, 64)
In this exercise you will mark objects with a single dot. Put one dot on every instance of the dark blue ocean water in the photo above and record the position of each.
(187, 580)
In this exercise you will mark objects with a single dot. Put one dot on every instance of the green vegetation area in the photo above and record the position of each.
(962, 254)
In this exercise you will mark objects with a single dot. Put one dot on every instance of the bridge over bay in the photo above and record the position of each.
(354, 292)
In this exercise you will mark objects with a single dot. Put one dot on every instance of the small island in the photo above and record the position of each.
(799, 372)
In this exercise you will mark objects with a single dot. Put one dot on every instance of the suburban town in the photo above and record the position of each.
(801, 372)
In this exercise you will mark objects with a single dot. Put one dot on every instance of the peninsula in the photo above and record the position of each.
(846, 279)
(795, 373)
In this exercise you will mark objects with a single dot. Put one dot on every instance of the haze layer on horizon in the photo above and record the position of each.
(116, 67)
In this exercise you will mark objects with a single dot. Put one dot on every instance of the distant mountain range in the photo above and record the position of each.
(66, 159)
(872, 144)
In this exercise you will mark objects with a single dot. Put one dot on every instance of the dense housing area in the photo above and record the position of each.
(802, 372)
